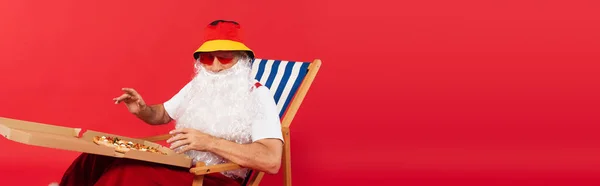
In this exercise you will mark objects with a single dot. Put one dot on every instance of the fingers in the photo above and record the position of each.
(180, 131)
(122, 97)
(177, 138)
(131, 91)
(130, 94)
(185, 149)
(180, 143)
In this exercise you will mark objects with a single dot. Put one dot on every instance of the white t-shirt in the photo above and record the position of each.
(268, 127)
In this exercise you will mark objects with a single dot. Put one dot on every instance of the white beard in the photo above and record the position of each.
(221, 105)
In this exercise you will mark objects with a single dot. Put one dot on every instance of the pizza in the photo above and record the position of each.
(123, 146)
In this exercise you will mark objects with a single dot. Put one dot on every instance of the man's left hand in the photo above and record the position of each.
(194, 139)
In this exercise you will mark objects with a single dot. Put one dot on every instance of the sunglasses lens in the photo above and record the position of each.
(206, 59)
(225, 60)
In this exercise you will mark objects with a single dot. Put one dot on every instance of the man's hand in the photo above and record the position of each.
(194, 139)
(132, 100)
(264, 155)
(153, 114)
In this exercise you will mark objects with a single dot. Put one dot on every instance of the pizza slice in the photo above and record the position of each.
(123, 146)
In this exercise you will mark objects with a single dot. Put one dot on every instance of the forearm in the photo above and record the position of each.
(154, 115)
(254, 155)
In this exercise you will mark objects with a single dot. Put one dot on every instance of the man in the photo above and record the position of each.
(222, 115)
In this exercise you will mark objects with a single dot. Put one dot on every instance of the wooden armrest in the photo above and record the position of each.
(157, 138)
(200, 169)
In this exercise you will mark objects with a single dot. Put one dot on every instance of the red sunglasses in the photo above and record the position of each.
(208, 59)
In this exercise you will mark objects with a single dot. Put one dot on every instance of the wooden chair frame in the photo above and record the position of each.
(200, 169)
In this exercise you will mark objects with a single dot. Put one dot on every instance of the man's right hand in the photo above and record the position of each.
(132, 100)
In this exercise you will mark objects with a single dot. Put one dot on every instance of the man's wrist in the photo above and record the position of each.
(213, 144)
(145, 113)
(145, 108)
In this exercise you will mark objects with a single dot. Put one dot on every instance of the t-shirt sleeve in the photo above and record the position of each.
(171, 106)
(269, 126)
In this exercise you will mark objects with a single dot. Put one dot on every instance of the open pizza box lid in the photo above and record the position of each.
(58, 137)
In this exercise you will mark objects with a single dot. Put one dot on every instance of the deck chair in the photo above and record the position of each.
(289, 82)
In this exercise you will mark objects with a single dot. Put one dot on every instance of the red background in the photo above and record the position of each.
(430, 92)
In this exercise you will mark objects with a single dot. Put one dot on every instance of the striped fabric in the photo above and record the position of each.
(281, 77)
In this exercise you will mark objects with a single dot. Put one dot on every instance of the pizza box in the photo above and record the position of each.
(65, 138)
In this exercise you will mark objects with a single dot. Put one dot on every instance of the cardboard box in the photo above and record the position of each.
(65, 138)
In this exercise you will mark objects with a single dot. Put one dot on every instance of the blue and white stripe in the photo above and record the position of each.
(283, 78)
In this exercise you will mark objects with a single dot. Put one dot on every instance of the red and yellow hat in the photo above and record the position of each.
(221, 35)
